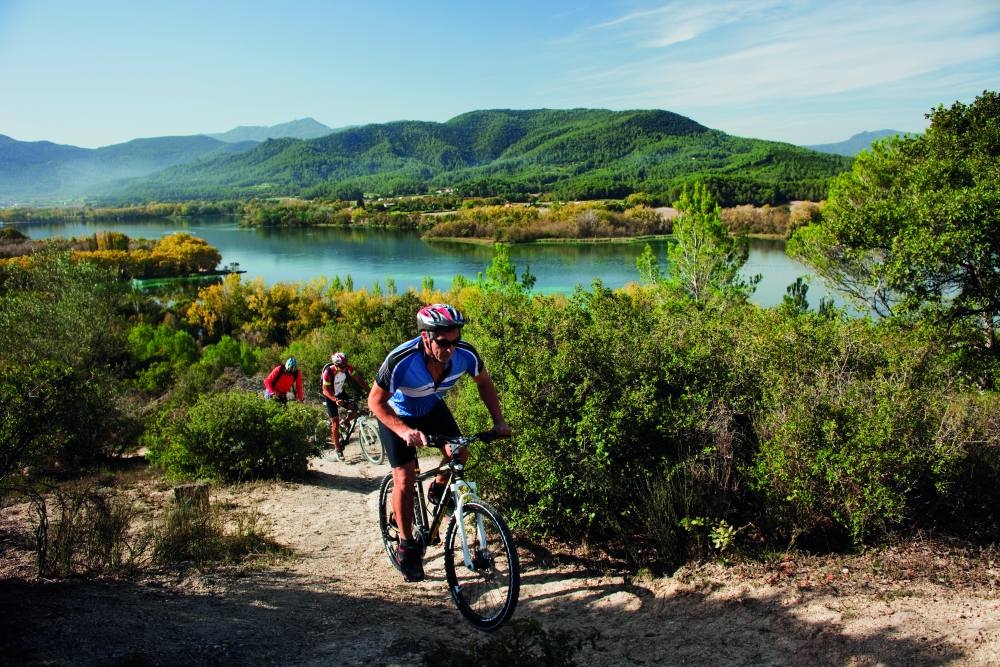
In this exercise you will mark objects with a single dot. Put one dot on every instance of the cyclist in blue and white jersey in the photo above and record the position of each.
(407, 400)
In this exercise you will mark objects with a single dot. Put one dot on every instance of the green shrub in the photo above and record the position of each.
(230, 353)
(967, 467)
(155, 378)
(237, 435)
(54, 414)
(846, 421)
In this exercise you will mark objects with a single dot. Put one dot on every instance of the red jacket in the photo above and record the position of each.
(280, 381)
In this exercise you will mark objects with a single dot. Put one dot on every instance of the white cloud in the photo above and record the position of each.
(746, 52)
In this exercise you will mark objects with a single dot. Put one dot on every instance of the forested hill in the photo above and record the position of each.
(44, 171)
(568, 154)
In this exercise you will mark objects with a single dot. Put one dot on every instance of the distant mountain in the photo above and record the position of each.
(571, 154)
(859, 142)
(568, 154)
(304, 128)
(43, 172)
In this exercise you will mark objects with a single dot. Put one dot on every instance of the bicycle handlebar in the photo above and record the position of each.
(354, 405)
(462, 440)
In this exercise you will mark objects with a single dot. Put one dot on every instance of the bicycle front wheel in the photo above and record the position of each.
(485, 589)
(387, 520)
(371, 444)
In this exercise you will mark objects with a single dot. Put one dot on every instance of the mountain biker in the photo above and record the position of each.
(407, 400)
(283, 379)
(333, 378)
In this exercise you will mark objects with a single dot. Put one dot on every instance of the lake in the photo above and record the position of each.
(302, 254)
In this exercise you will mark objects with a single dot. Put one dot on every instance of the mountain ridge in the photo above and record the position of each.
(856, 143)
(301, 128)
(569, 153)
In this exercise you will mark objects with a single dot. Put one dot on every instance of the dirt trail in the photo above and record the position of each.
(340, 602)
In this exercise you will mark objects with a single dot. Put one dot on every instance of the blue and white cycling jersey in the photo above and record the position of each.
(404, 374)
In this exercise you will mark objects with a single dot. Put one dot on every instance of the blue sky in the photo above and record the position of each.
(101, 72)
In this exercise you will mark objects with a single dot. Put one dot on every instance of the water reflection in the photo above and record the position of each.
(302, 254)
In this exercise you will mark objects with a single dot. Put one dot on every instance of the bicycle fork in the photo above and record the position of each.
(464, 491)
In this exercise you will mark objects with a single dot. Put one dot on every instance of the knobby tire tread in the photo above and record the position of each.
(499, 588)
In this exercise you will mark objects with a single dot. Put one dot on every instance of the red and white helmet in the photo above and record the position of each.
(438, 316)
(338, 359)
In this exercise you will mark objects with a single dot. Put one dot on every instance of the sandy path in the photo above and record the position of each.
(340, 602)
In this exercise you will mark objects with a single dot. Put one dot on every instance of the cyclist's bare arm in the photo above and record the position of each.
(378, 403)
(488, 394)
(360, 381)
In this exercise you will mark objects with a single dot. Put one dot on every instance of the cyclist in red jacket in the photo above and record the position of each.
(283, 379)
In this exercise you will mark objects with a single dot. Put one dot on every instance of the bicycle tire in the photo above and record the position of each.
(387, 520)
(369, 441)
(486, 594)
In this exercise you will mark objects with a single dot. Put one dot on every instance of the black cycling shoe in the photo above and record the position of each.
(409, 560)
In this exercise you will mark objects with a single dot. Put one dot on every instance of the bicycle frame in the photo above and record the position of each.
(480, 556)
(459, 489)
(354, 418)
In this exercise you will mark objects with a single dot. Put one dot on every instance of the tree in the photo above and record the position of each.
(182, 253)
(501, 274)
(704, 260)
(914, 228)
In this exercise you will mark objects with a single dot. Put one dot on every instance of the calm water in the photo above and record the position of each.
(294, 255)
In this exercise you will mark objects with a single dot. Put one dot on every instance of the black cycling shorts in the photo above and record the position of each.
(438, 421)
(332, 409)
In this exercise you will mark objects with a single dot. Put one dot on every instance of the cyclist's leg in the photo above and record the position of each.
(402, 458)
(440, 421)
(334, 414)
(403, 479)
(350, 409)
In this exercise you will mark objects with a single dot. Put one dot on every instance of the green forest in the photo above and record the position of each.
(565, 155)
(661, 423)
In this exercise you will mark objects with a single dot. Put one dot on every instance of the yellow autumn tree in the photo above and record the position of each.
(182, 253)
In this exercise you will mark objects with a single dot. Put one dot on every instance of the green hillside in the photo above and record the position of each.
(40, 171)
(569, 154)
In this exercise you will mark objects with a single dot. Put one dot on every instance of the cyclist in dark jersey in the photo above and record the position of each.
(407, 400)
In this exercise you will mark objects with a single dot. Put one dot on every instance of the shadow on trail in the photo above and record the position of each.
(280, 621)
(327, 480)
(280, 617)
(642, 626)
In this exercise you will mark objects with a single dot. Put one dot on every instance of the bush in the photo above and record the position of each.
(847, 420)
(52, 414)
(194, 533)
(230, 353)
(237, 435)
(92, 532)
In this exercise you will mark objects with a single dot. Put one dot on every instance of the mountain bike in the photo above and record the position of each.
(363, 423)
(480, 557)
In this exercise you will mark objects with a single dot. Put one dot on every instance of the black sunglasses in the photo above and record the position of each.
(445, 344)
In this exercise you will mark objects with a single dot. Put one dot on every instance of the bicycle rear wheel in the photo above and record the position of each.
(486, 593)
(371, 444)
(387, 520)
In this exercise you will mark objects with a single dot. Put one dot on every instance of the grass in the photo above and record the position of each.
(115, 522)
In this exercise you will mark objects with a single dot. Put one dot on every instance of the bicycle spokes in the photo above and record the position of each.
(481, 565)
